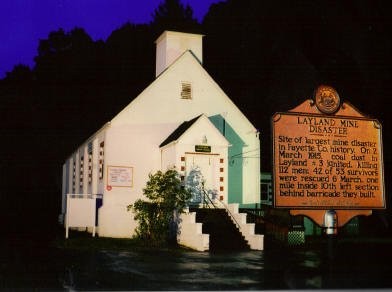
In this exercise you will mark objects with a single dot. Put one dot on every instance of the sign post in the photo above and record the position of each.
(328, 162)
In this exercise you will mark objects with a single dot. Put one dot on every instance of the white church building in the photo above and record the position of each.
(183, 119)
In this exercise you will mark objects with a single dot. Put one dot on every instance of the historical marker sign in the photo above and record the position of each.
(327, 162)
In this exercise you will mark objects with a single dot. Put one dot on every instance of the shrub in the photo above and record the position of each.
(166, 197)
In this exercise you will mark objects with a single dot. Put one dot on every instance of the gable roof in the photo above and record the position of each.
(181, 129)
(132, 113)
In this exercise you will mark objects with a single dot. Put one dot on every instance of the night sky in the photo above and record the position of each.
(24, 22)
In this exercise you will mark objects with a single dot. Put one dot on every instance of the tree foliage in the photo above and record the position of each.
(166, 197)
(173, 15)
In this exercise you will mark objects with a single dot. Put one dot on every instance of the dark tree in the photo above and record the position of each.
(173, 15)
(129, 61)
(269, 56)
(20, 73)
(66, 56)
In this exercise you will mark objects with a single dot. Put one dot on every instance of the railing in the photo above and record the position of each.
(253, 215)
(208, 202)
(254, 211)
(230, 214)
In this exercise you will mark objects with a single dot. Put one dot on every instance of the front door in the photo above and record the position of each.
(202, 176)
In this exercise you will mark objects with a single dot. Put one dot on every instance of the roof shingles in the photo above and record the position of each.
(181, 129)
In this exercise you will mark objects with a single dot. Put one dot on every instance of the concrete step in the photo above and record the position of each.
(224, 235)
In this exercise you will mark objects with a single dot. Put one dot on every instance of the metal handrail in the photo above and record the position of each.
(231, 215)
(207, 200)
(205, 195)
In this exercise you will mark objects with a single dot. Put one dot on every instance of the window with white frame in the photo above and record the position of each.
(264, 191)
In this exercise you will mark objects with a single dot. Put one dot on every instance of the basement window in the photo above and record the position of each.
(186, 90)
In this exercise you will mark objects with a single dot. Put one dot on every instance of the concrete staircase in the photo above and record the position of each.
(224, 234)
(190, 233)
(215, 228)
(256, 241)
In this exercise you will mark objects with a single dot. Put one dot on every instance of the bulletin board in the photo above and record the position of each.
(120, 176)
